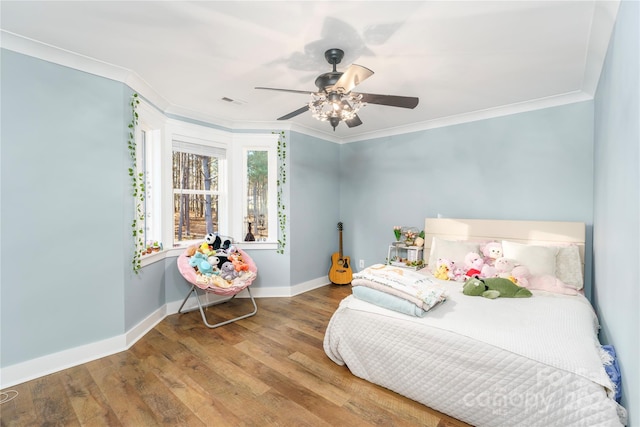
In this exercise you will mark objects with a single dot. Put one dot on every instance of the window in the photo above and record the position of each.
(256, 182)
(148, 154)
(198, 199)
(256, 213)
(201, 180)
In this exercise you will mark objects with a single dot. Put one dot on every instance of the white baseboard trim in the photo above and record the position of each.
(45, 365)
(55, 362)
(141, 329)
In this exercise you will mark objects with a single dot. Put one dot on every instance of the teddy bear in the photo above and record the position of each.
(491, 251)
(494, 287)
(444, 269)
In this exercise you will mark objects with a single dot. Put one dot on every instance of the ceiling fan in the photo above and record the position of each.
(335, 102)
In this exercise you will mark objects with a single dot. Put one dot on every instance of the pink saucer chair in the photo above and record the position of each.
(237, 286)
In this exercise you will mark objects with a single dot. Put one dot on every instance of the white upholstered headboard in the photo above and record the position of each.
(529, 232)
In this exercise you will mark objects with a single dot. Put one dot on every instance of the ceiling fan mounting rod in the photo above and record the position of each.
(334, 56)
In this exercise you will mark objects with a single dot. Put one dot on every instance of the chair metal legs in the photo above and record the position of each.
(194, 290)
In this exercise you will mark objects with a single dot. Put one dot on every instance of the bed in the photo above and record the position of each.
(488, 362)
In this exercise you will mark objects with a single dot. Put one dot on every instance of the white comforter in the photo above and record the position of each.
(504, 362)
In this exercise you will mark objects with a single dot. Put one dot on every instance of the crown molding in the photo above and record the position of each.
(50, 53)
(489, 113)
(603, 21)
(56, 55)
(602, 25)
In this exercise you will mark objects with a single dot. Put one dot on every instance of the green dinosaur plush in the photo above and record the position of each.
(494, 287)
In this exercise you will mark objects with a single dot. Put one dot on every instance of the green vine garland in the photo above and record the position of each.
(137, 183)
(282, 179)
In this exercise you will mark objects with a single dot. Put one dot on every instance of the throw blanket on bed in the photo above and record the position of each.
(407, 284)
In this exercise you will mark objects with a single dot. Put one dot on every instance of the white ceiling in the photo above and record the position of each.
(463, 59)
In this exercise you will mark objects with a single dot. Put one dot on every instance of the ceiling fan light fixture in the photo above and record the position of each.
(334, 102)
(335, 107)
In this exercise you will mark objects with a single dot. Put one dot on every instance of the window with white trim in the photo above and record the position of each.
(201, 180)
(199, 197)
(255, 183)
(149, 156)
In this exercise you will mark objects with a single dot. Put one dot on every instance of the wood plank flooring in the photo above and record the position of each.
(269, 369)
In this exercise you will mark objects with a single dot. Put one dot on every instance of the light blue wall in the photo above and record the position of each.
(314, 209)
(617, 202)
(66, 209)
(144, 292)
(536, 165)
(63, 199)
(60, 126)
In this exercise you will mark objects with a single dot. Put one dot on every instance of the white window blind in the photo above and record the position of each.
(202, 149)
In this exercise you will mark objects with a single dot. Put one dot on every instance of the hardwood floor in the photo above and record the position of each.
(269, 369)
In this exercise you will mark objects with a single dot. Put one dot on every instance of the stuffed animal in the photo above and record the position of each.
(205, 268)
(477, 268)
(191, 250)
(201, 263)
(210, 239)
(444, 269)
(550, 283)
(238, 263)
(228, 271)
(494, 287)
(458, 274)
(510, 269)
(196, 258)
(222, 258)
(474, 263)
(205, 249)
(491, 251)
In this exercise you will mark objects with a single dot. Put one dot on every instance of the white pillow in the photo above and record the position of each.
(569, 266)
(454, 250)
(540, 260)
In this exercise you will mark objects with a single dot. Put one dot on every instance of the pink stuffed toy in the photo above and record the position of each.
(520, 275)
(510, 269)
(474, 264)
(477, 268)
(550, 283)
(458, 274)
(492, 251)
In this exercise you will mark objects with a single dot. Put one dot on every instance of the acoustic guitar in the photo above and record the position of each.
(340, 272)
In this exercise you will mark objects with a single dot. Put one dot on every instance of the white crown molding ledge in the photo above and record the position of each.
(489, 113)
(602, 24)
(604, 16)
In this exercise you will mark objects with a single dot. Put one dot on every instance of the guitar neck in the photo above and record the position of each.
(340, 246)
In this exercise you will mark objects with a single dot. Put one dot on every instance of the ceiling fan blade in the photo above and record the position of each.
(294, 113)
(390, 100)
(306, 92)
(354, 75)
(354, 122)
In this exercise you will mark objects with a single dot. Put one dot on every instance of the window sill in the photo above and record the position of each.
(175, 252)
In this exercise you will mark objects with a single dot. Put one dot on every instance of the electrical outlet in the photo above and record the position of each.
(361, 263)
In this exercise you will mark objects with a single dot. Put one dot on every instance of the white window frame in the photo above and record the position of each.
(242, 143)
(148, 160)
(232, 180)
(207, 137)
